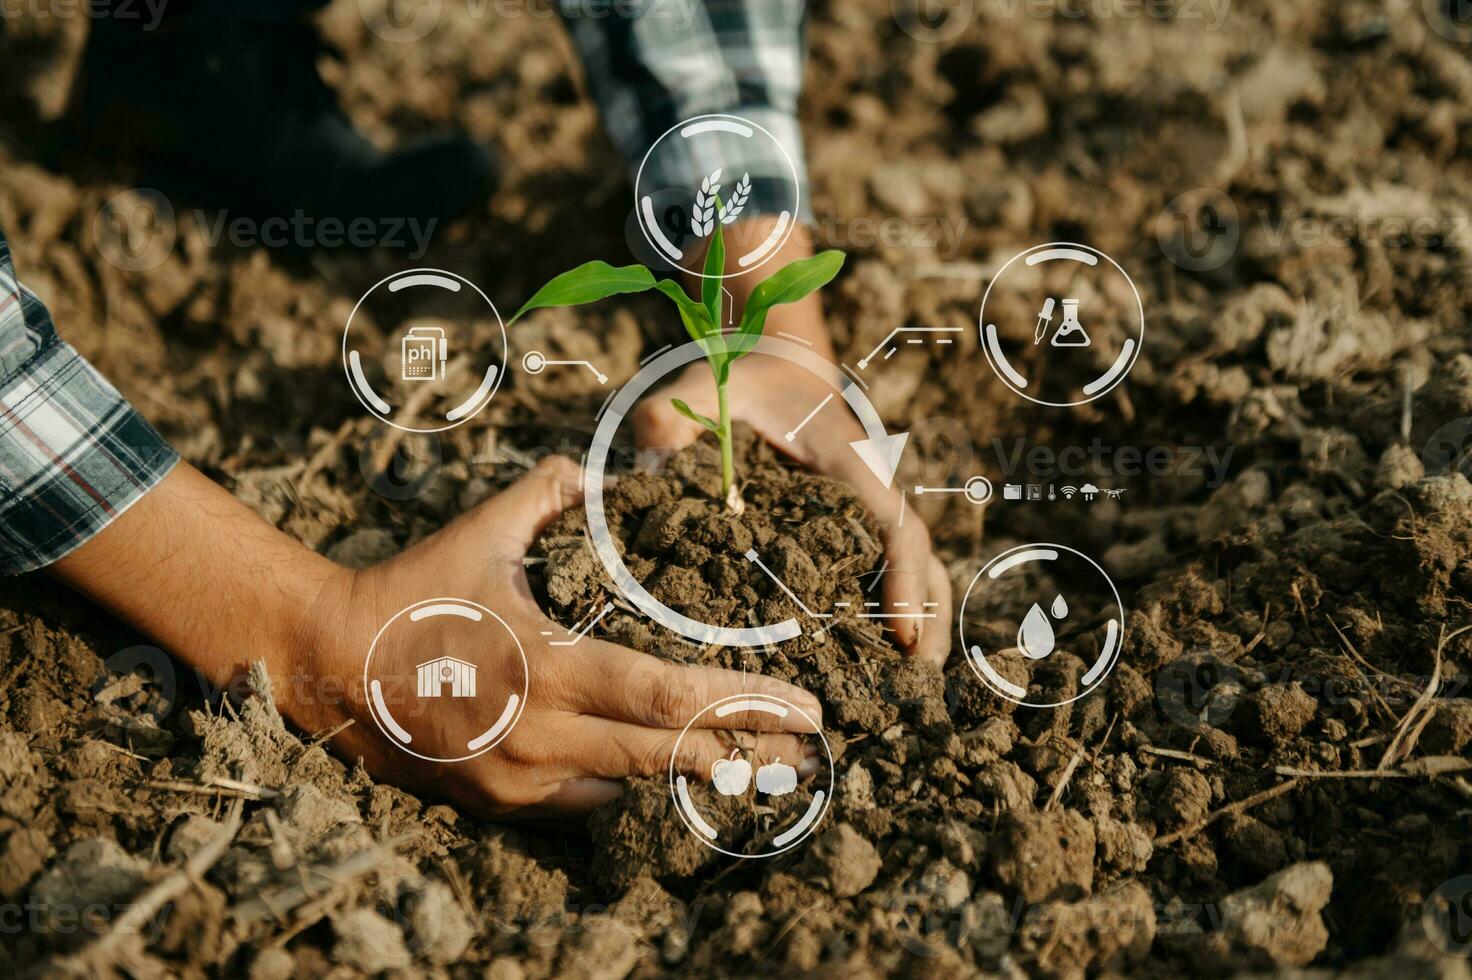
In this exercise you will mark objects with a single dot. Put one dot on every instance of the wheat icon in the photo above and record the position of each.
(702, 215)
(709, 208)
(729, 213)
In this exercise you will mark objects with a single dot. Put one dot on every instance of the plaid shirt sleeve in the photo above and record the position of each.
(673, 59)
(73, 453)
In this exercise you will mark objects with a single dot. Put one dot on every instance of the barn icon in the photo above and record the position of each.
(435, 674)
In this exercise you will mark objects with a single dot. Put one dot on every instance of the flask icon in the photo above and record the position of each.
(1070, 333)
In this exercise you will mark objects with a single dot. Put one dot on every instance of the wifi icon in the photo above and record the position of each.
(1068, 492)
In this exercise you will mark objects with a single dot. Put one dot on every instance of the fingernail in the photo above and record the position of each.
(809, 750)
(808, 768)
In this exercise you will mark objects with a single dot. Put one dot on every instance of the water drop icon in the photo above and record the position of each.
(1060, 608)
(1035, 635)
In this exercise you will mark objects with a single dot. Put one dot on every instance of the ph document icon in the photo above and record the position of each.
(424, 350)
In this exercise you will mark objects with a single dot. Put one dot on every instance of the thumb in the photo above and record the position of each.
(522, 510)
(658, 426)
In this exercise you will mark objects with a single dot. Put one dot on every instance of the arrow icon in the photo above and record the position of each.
(882, 454)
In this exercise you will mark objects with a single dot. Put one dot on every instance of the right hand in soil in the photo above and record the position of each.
(595, 712)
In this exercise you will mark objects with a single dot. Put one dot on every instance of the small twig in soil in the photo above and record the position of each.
(218, 785)
(791, 923)
(1262, 634)
(95, 958)
(1428, 767)
(330, 734)
(1063, 781)
(1099, 749)
(1404, 741)
(1200, 762)
(1231, 808)
(318, 881)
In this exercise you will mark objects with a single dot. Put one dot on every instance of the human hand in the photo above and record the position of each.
(772, 396)
(595, 711)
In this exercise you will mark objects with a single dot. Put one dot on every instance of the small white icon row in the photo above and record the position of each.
(1035, 491)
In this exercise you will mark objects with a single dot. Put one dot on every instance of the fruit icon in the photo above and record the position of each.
(776, 778)
(732, 776)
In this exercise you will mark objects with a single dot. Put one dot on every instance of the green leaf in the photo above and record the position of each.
(787, 285)
(588, 282)
(695, 416)
(715, 265)
(697, 321)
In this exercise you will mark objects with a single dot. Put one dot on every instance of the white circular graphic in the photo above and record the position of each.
(732, 807)
(881, 455)
(676, 222)
(1035, 600)
(424, 350)
(439, 705)
(1066, 324)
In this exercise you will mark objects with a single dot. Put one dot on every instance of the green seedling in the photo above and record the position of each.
(702, 319)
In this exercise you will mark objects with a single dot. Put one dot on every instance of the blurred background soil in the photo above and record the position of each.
(1272, 778)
